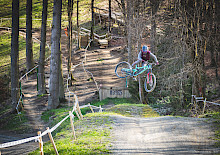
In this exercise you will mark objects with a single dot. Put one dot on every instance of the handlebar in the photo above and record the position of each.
(153, 63)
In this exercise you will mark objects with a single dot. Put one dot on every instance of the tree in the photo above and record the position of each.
(15, 53)
(92, 22)
(53, 100)
(69, 44)
(109, 16)
(154, 7)
(77, 23)
(41, 63)
(129, 29)
(29, 51)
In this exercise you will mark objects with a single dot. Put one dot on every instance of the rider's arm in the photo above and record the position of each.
(140, 56)
(154, 57)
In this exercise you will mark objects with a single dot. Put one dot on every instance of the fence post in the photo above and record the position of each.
(37, 79)
(22, 103)
(77, 114)
(40, 143)
(72, 126)
(52, 141)
(78, 108)
(90, 107)
(203, 111)
(100, 110)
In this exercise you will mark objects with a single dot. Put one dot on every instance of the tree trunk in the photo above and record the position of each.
(92, 23)
(41, 63)
(53, 100)
(69, 44)
(15, 53)
(29, 50)
(110, 16)
(77, 23)
(129, 33)
(154, 8)
(61, 82)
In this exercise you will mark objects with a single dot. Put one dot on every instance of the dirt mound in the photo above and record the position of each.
(162, 135)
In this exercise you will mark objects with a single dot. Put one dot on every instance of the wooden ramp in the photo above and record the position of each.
(113, 92)
(103, 43)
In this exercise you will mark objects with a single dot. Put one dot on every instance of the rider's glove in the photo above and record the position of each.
(157, 63)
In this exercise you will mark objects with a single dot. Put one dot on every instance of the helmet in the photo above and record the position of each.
(145, 48)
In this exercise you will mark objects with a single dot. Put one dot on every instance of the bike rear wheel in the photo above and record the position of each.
(150, 83)
(123, 70)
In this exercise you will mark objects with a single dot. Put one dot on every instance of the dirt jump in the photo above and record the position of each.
(163, 135)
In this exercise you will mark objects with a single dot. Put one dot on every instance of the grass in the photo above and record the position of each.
(5, 51)
(13, 123)
(216, 116)
(93, 132)
(93, 136)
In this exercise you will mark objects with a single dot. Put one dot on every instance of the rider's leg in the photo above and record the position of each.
(144, 63)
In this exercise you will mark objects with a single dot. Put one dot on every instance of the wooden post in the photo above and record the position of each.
(52, 141)
(100, 108)
(40, 143)
(90, 107)
(203, 111)
(77, 114)
(71, 122)
(78, 109)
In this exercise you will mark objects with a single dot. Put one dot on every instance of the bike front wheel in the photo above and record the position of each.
(150, 83)
(123, 70)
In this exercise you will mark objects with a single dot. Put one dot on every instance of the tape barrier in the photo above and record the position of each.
(36, 138)
(213, 103)
(18, 104)
(58, 124)
(9, 144)
(202, 100)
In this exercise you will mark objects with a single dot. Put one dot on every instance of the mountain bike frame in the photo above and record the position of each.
(139, 70)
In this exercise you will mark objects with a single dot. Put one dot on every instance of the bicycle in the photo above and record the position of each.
(124, 70)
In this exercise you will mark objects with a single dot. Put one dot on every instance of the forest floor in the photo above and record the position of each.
(132, 135)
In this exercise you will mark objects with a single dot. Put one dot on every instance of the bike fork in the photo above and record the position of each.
(149, 80)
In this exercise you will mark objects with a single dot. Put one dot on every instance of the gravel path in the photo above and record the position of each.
(162, 135)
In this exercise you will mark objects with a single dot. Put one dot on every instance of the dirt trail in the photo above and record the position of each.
(163, 135)
(101, 63)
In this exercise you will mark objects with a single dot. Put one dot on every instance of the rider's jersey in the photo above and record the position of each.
(145, 55)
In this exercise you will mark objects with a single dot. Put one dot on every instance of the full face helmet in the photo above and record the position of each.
(144, 48)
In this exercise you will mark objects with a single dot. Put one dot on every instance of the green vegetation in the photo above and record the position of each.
(93, 132)
(15, 123)
(5, 51)
(140, 110)
(93, 136)
(216, 117)
(114, 101)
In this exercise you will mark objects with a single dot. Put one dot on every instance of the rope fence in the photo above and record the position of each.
(196, 100)
(49, 131)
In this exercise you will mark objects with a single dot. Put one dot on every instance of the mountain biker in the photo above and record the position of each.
(144, 55)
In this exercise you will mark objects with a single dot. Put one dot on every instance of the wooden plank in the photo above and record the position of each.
(114, 92)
